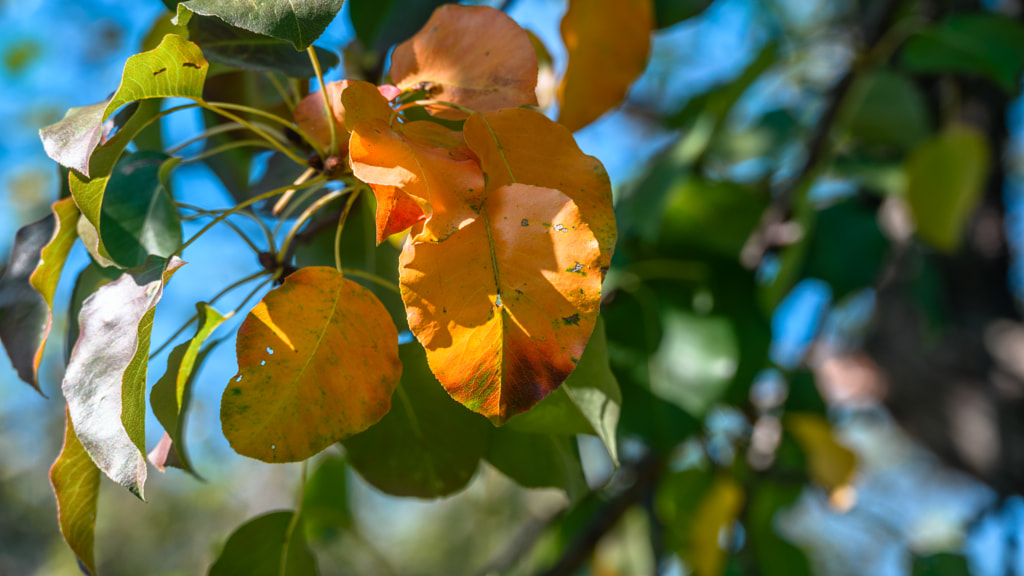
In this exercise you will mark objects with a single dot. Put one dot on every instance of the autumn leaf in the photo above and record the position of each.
(317, 362)
(311, 115)
(830, 464)
(505, 305)
(418, 168)
(474, 56)
(524, 146)
(105, 382)
(76, 484)
(608, 43)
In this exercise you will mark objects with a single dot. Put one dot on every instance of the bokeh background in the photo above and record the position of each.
(906, 501)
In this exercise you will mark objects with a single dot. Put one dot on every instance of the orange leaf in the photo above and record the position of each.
(364, 101)
(311, 114)
(608, 43)
(317, 362)
(524, 146)
(474, 56)
(422, 167)
(506, 304)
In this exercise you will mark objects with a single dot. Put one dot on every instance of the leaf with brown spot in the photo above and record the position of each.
(317, 362)
(608, 43)
(487, 303)
(474, 56)
(76, 484)
(524, 146)
(418, 166)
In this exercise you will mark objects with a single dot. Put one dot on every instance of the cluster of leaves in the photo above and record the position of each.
(437, 199)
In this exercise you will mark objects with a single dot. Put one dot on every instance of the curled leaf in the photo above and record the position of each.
(317, 362)
(474, 56)
(505, 305)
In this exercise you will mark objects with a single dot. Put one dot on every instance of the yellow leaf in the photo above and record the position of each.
(717, 512)
(608, 43)
(76, 483)
(474, 56)
(506, 304)
(829, 463)
(317, 362)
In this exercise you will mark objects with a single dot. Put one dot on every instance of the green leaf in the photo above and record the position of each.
(715, 216)
(775, 555)
(325, 507)
(887, 109)
(25, 312)
(588, 402)
(428, 445)
(238, 48)
(105, 381)
(538, 460)
(945, 180)
(54, 255)
(846, 248)
(300, 23)
(174, 68)
(380, 24)
(696, 507)
(256, 548)
(138, 217)
(942, 564)
(76, 484)
(975, 44)
(172, 393)
(670, 12)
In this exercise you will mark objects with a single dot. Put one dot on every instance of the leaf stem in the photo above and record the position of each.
(287, 196)
(285, 547)
(327, 101)
(245, 204)
(212, 301)
(341, 225)
(209, 132)
(223, 108)
(224, 148)
(306, 214)
(293, 206)
(280, 90)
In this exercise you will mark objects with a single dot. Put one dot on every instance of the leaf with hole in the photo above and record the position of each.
(317, 362)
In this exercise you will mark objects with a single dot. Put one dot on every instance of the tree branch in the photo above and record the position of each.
(818, 147)
(646, 472)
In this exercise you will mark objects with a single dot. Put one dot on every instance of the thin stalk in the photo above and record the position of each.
(224, 148)
(283, 567)
(280, 90)
(209, 132)
(293, 206)
(270, 116)
(306, 215)
(242, 206)
(341, 225)
(222, 109)
(212, 301)
(327, 101)
(383, 282)
(287, 196)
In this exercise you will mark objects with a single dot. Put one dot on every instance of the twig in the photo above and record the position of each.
(818, 147)
(646, 473)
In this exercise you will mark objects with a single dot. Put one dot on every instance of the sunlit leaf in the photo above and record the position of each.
(474, 56)
(317, 362)
(175, 68)
(172, 393)
(366, 100)
(608, 43)
(945, 180)
(524, 146)
(505, 306)
(538, 460)
(325, 507)
(588, 402)
(25, 310)
(696, 361)
(830, 464)
(427, 445)
(105, 381)
(89, 280)
(977, 44)
(415, 170)
(300, 23)
(76, 483)
(716, 513)
(256, 548)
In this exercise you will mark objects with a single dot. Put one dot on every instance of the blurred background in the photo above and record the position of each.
(814, 311)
